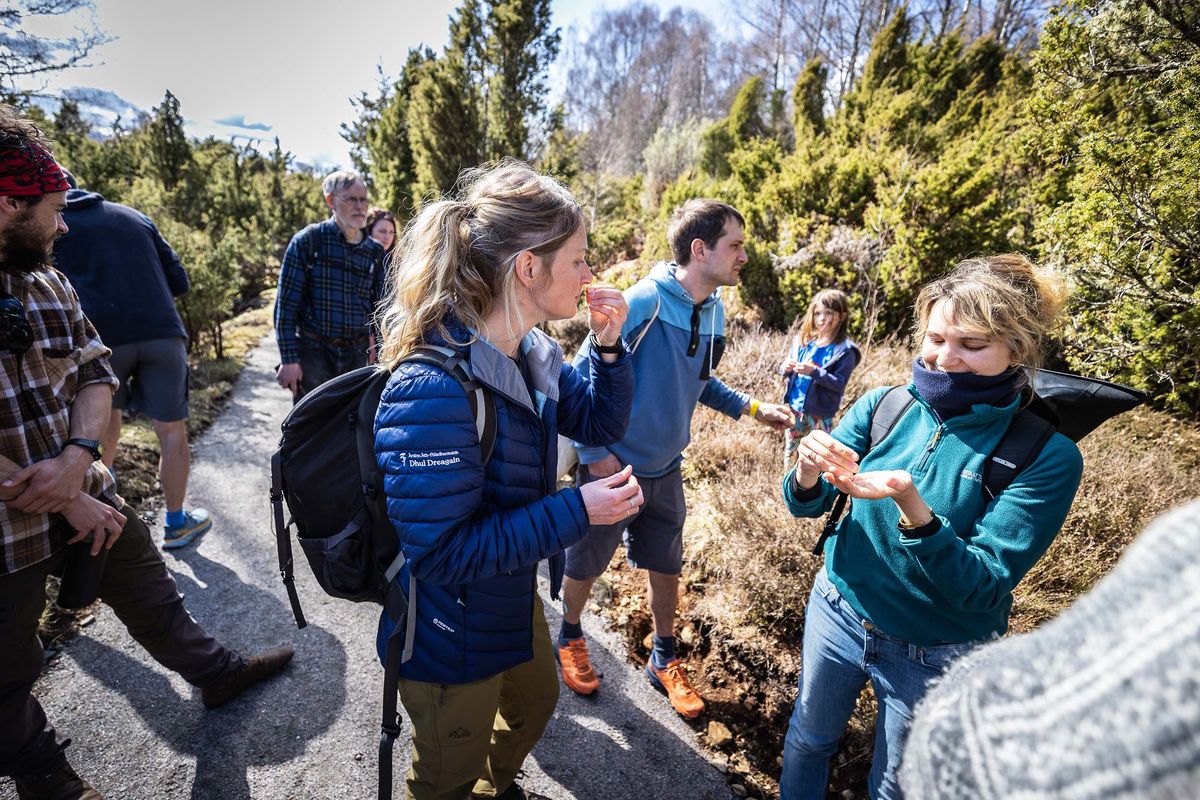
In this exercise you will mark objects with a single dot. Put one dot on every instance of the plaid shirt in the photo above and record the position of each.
(36, 398)
(327, 286)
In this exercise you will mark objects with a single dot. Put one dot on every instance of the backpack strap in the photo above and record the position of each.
(887, 412)
(283, 541)
(483, 405)
(1019, 447)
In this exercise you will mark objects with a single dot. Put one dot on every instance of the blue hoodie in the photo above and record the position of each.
(667, 381)
(124, 271)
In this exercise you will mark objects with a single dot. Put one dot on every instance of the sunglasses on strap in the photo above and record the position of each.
(16, 334)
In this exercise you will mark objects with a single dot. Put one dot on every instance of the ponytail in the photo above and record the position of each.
(457, 255)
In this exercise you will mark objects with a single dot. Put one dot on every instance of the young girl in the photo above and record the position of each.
(817, 367)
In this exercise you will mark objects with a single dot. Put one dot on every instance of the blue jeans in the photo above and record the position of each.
(841, 652)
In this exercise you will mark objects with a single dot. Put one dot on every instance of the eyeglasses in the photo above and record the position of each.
(354, 200)
(16, 335)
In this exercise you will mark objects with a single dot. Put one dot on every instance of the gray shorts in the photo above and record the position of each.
(154, 378)
(653, 536)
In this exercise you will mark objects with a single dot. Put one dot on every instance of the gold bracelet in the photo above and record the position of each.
(905, 524)
(753, 407)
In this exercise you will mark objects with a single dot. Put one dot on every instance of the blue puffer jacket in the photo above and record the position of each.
(473, 535)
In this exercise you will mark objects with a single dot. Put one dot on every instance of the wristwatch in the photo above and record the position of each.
(91, 445)
(611, 349)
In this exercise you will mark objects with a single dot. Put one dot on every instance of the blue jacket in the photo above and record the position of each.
(955, 585)
(828, 384)
(473, 535)
(667, 381)
(124, 271)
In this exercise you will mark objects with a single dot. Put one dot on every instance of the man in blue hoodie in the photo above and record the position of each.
(127, 277)
(675, 331)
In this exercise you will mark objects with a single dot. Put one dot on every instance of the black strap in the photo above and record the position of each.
(483, 404)
(283, 541)
(389, 728)
(887, 412)
(1019, 447)
(831, 521)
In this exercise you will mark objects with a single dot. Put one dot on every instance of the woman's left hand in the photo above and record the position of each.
(607, 311)
(875, 485)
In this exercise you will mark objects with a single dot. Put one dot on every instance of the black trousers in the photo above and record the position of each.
(320, 362)
(137, 586)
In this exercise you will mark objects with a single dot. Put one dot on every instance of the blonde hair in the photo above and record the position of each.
(1005, 297)
(458, 254)
(834, 300)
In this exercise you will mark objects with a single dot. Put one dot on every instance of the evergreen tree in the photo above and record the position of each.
(521, 44)
(379, 138)
(166, 147)
(1118, 108)
(808, 100)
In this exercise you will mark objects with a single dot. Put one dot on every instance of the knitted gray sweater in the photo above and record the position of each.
(1102, 702)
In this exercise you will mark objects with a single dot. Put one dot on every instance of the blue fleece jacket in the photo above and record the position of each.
(124, 271)
(667, 381)
(955, 585)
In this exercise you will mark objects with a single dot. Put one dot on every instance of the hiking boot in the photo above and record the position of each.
(513, 792)
(195, 524)
(255, 669)
(672, 680)
(577, 672)
(61, 783)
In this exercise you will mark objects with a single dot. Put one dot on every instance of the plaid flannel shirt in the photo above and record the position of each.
(327, 286)
(35, 402)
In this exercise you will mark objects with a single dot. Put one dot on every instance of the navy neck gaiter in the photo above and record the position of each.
(952, 394)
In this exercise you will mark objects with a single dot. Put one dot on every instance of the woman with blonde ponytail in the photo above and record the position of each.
(923, 566)
(476, 274)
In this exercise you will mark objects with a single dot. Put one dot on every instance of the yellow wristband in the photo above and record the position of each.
(753, 407)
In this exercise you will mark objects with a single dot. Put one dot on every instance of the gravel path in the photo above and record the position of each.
(141, 732)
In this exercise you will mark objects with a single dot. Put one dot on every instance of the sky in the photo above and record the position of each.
(263, 68)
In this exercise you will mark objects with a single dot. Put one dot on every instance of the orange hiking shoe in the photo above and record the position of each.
(672, 680)
(577, 672)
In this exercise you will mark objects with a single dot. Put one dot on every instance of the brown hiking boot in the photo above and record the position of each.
(577, 672)
(255, 669)
(61, 783)
(672, 680)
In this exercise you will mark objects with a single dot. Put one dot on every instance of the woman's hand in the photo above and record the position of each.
(607, 311)
(874, 485)
(819, 452)
(805, 367)
(878, 484)
(612, 499)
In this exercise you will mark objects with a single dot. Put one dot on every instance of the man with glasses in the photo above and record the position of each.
(675, 331)
(59, 512)
(330, 282)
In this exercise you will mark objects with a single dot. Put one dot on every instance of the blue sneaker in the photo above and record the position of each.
(196, 524)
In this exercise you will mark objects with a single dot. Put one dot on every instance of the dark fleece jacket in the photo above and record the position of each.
(124, 271)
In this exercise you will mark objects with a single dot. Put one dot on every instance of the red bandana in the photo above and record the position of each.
(30, 170)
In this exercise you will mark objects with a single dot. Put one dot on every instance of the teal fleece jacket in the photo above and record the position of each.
(667, 382)
(955, 585)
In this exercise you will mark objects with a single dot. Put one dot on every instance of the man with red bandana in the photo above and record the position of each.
(57, 501)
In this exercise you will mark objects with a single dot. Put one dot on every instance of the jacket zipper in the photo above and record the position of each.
(929, 448)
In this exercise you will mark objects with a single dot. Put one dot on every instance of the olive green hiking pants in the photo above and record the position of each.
(473, 737)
